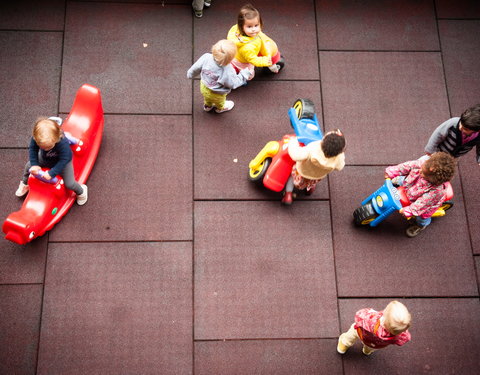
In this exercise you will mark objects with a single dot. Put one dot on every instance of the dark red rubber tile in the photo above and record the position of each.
(136, 54)
(267, 357)
(29, 86)
(381, 25)
(228, 141)
(272, 276)
(470, 173)
(116, 308)
(18, 264)
(387, 103)
(20, 308)
(444, 338)
(32, 15)
(477, 266)
(383, 261)
(461, 69)
(458, 9)
(293, 31)
(141, 186)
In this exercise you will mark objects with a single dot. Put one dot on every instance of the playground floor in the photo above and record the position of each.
(178, 264)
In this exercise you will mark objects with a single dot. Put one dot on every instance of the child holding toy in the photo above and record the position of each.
(217, 76)
(424, 185)
(378, 329)
(314, 162)
(457, 135)
(254, 48)
(49, 148)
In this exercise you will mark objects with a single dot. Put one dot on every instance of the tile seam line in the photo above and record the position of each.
(346, 298)
(192, 127)
(122, 241)
(314, 338)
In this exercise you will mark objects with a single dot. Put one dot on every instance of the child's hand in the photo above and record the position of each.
(35, 169)
(402, 212)
(47, 177)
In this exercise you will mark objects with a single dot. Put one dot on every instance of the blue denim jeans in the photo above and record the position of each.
(420, 221)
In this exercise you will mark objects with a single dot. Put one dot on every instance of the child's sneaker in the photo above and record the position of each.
(226, 107)
(22, 189)
(414, 230)
(198, 13)
(309, 191)
(207, 3)
(82, 198)
(207, 108)
(342, 349)
(274, 68)
(366, 350)
(287, 199)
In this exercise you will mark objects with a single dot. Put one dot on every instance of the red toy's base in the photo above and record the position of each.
(281, 168)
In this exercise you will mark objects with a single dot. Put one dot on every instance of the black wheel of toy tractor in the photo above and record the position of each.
(304, 108)
(446, 205)
(364, 215)
(256, 175)
(281, 63)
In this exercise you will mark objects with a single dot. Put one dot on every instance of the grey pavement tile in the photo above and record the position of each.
(457, 9)
(387, 103)
(20, 309)
(460, 46)
(30, 70)
(444, 338)
(383, 261)
(18, 264)
(228, 141)
(141, 185)
(380, 25)
(470, 175)
(293, 32)
(32, 15)
(117, 308)
(267, 357)
(260, 272)
(135, 53)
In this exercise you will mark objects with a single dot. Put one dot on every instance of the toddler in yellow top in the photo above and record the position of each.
(254, 48)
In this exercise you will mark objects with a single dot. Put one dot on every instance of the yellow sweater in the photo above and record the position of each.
(249, 48)
(312, 162)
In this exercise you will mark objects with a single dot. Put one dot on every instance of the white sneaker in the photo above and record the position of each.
(207, 3)
(82, 198)
(22, 189)
(226, 107)
(274, 68)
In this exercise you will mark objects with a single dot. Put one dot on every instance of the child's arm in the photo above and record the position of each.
(439, 135)
(33, 153)
(196, 68)
(402, 169)
(296, 152)
(64, 157)
(250, 53)
(423, 204)
(341, 162)
(231, 79)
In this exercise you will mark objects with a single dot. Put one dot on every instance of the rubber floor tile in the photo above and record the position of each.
(383, 261)
(452, 351)
(20, 309)
(477, 266)
(457, 9)
(228, 141)
(387, 103)
(470, 173)
(263, 271)
(382, 25)
(29, 86)
(267, 357)
(141, 185)
(293, 32)
(117, 308)
(18, 264)
(134, 53)
(461, 69)
(32, 15)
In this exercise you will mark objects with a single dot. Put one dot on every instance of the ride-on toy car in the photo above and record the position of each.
(273, 165)
(388, 199)
(46, 203)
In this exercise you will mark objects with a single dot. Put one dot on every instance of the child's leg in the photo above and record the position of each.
(26, 173)
(197, 4)
(69, 179)
(419, 225)
(211, 98)
(239, 66)
(367, 350)
(347, 339)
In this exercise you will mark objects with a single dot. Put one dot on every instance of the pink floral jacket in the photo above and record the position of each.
(425, 197)
(373, 334)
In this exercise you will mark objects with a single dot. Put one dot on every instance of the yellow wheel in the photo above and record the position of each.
(446, 205)
(304, 108)
(257, 174)
(364, 215)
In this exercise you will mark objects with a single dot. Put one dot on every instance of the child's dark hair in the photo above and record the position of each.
(333, 144)
(470, 118)
(248, 12)
(440, 168)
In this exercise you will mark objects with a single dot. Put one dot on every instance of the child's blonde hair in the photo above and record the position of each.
(46, 132)
(397, 318)
(224, 51)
